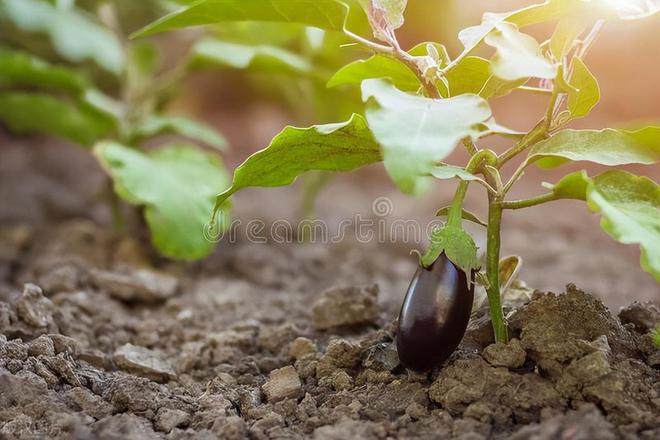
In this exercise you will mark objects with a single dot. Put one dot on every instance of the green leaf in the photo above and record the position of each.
(473, 75)
(517, 55)
(416, 132)
(584, 93)
(333, 147)
(547, 11)
(633, 9)
(496, 87)
(377, 66)
(491, 127)
(648, 135)
(323, 14)
(571, 186)
(465, 214)
(194, 130)
(74, 36)
(655, 334)
(213, 52)
(445, 171)
(381, 66)
(606, 147)
(468, 76)
(457, 244)
(630, 209)
(27, 113)
(175, 184)
(564, 36)
(22, 69)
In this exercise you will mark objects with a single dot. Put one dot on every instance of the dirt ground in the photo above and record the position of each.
(99, 338)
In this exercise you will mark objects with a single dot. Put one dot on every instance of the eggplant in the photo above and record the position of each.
(434, 315)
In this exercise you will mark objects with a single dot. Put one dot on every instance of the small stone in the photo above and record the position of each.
(230, 428)
(65, 344)
(63, 367)
(95, 358)
(143, 362)
(42, 345)
(511, 355)
(590, 368)
(143, 285)
(342, 353)
(346, 306)
(7, 315)
(124, 426)
(88, 402)
(644, 316)
(340, 380)
(301, 347)
(168, 419)
(416, 411)
(267, 422)
(34, 308)
(283, 383)
(381, 357)
(14, 349)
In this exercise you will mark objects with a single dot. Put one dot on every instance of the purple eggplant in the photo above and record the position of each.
(434, 315)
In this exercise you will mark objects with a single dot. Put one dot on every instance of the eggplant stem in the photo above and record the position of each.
(492, 270)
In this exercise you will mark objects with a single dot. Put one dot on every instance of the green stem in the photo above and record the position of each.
(492, 270)
(455, 213)
(117, 218)
(535, 135)
(532, 201)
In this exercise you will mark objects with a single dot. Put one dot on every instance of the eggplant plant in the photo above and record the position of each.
(68, 70)
(419, 104)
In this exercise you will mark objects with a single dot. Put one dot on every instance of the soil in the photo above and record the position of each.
(100, 338)
(103, 341)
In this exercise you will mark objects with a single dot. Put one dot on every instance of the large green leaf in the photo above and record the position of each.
(381, 66)
(324, 14)
(605, 147)
(194, 130)
(36, 113)
(176, 185)
(22, 69)
(213, 52)
(416, 132)
(630, 206)
(517, 55)
(584, 93)
(74, 36)
(294, 151)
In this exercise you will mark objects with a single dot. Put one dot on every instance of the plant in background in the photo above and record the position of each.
(68, 70)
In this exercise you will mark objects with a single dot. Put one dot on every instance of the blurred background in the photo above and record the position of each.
(45, 179)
